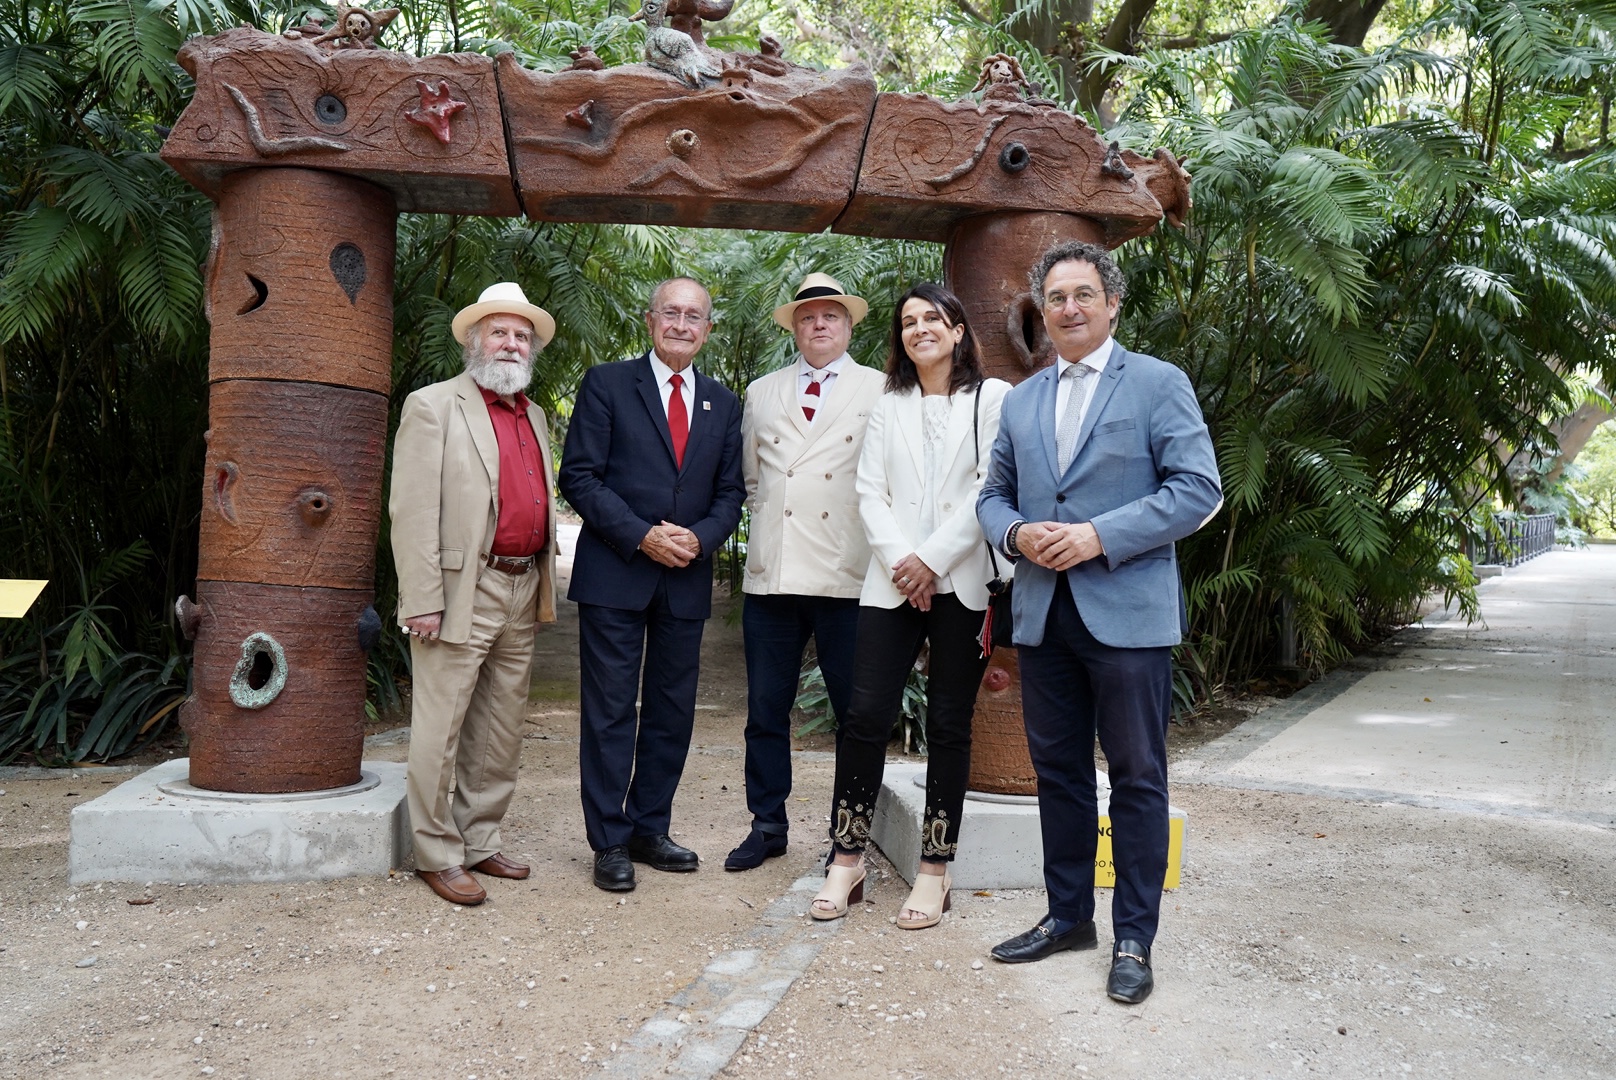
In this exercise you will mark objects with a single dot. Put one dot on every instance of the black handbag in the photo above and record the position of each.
(998, 622)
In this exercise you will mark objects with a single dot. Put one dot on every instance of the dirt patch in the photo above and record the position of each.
(1443, 944)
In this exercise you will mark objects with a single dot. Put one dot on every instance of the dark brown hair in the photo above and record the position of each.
(967, 371)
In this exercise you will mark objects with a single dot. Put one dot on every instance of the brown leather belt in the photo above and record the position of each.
(511, 566)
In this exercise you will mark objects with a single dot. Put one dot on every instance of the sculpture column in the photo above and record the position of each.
(985, 264)
(300, 300)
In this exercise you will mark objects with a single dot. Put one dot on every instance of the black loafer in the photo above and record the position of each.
(1130, 981)
(613, 871)
(1040, 942)
(754, 849)
(662, 853)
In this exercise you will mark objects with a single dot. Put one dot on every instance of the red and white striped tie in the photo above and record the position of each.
(813, 392)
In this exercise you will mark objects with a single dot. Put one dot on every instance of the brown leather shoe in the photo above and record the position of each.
(454, 885)
(497, 865)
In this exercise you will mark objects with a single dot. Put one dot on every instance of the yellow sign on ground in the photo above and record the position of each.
(1105, 872)
(17, 595)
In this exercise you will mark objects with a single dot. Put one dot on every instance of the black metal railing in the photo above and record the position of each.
(1514, 538)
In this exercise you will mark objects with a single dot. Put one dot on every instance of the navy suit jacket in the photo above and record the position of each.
(618, 472)
(1143, 475)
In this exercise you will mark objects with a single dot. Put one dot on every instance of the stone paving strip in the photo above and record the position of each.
(706, 1023)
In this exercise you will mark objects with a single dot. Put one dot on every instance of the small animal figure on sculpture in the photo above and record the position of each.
(673, 51)
(357, 28)
(1002, 79)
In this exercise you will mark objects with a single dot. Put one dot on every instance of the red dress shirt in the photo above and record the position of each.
(523, 511)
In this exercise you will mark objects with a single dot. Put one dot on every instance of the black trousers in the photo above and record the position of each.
(1072, 688)
(889, 639)
(630, 760)
(775, 633)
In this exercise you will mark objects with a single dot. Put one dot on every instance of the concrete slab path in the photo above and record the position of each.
(1513, 714)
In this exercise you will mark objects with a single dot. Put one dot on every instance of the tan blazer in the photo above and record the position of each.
(891, 481)
(805, 536)
(445, 491)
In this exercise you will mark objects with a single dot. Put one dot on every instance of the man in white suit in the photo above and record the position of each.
(801, 435)
(474, 541)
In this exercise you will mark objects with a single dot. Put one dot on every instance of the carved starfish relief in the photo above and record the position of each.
(436, 110)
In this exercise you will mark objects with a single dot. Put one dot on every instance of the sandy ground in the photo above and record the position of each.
(1313, 934)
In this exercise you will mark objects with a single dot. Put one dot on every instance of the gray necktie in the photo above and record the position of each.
(1072, 418)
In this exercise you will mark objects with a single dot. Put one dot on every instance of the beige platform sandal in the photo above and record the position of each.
(931, 897)
(844, 886)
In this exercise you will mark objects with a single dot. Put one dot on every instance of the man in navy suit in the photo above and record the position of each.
(652, 463)
(1102, 461)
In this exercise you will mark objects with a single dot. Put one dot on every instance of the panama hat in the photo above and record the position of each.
(504, 298)
(821, 287)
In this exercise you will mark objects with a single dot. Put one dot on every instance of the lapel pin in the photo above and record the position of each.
(706, 406)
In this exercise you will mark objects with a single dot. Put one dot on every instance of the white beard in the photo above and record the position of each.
(495, 373)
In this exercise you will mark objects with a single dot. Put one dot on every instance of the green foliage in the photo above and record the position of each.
(1592, 484)
(1397, 261)
(1374, 297)
(813, 701)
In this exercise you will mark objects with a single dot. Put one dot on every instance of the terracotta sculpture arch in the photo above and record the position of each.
(313, 141)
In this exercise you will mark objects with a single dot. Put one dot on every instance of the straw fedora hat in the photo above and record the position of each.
(504, 298)
(821, 287)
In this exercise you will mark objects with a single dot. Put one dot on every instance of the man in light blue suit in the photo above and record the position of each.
(1102, 461)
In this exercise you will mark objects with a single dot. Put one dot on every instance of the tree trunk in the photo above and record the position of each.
(1574, 431)
(1349, 20)
(1121, 36)
(1048, 28)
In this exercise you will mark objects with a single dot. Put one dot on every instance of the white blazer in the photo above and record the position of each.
(805, 537)
(891, 482)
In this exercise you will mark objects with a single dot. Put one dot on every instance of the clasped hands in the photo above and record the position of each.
(671, 545)
(1055, 546)
(915, 580)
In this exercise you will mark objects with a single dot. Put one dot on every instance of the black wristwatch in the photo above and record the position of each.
(1010, 548)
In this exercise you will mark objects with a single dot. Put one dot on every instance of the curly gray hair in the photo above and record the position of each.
(1076, 251)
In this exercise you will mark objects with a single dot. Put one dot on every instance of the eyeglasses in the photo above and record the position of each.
(675, 318)
(1085, 298)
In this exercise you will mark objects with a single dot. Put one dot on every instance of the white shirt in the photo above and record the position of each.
(807, 373)
(663, 374)
(935, 410)
(1095, 361)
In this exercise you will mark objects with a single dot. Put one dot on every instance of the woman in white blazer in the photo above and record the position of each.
(925, 454)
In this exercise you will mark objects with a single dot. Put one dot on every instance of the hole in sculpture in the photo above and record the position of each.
(1025, 331)
(1014, 157)
(260, 294)
(260, 674)
(224, 478)
(314, 507)
(348, 267)
(263, 666)
(329, 109)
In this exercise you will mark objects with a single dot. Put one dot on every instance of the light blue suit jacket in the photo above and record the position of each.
(1144, 475)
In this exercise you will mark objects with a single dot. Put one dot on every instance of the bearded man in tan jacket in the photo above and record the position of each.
(801, 434)
(473, 533)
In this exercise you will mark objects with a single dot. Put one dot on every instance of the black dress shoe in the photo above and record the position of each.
(754, 849)
(1041, 941)
(613, 871)
(662, 854)
(1130, 981)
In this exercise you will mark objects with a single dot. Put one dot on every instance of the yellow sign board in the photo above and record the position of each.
(17, 595)
(1105, 872)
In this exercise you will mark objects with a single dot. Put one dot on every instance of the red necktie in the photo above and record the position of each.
(812, 391)
(678, 420)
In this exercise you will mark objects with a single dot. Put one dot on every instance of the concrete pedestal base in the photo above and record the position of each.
(156, 827)
(1001, 845)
